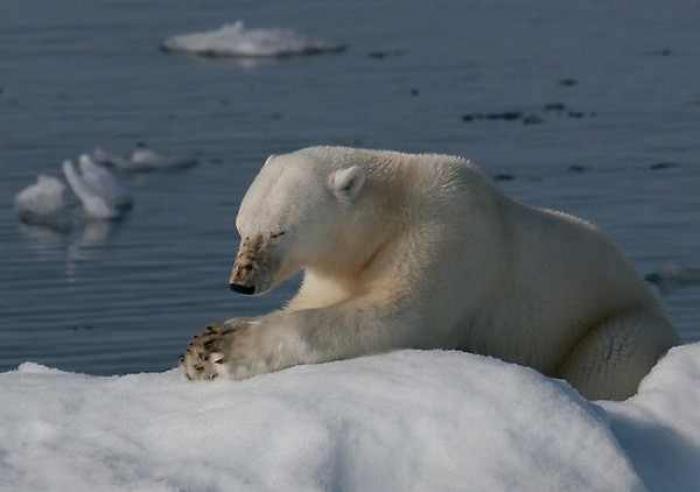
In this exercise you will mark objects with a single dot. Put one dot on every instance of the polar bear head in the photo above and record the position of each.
(305, 209)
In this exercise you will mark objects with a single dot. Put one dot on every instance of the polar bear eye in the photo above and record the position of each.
(275, 235)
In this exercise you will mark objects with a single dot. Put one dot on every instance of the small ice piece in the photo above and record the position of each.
(99, 192)
(43, 203)
(104, 183)
(106, 158)
(145, 159)
(671, 276)
(142, 159)
(234, 40)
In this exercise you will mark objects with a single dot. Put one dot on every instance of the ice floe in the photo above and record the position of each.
(142, 159)
(101, 194)
(43, 203)
(96, 183)
(672, 276)
(235, 40)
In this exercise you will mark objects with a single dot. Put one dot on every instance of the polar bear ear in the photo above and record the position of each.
(347, 183)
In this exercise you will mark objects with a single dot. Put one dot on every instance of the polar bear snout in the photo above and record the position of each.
(254, 268)
(244, 275)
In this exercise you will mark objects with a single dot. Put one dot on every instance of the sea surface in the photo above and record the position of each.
(105, 299)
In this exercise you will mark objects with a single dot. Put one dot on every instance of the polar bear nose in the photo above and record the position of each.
(242, 289)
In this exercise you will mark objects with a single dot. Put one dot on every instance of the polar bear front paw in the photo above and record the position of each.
(203, 359)
(222, 350)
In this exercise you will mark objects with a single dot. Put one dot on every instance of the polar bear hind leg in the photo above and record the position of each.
(609, 362)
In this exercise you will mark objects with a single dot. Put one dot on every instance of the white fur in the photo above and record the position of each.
(423, 251)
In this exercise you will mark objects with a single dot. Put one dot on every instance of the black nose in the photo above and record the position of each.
(242, 289)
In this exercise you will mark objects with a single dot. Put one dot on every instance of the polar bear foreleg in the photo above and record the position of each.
(241, 348)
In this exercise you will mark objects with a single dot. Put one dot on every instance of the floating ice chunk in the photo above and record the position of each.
(236, 41)
(99, 192)
(142, 159)
(43, 203)
(95, 206)
(146, 159)
(671, 276)
(104, 183)
(102, 156)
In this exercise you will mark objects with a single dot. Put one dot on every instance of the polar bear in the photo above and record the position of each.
(423, 251)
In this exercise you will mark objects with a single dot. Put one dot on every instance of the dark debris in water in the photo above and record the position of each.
(659, 166)
(568, 82)
(82, 327)
(662, 52)
(577, 169)
(503, 177)
(554, 106)
(531, 118)
(382, 54)
(504, 116)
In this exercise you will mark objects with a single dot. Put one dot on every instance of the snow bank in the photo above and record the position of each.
(408, 420)
(237, 41)
(660, 426)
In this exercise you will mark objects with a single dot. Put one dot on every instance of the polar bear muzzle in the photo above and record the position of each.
(255, 266)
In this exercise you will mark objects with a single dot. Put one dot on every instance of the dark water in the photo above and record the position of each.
(76, 74)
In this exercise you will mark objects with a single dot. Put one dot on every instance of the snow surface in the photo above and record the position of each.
(660, 426)
(409, 420)
(236, 40)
